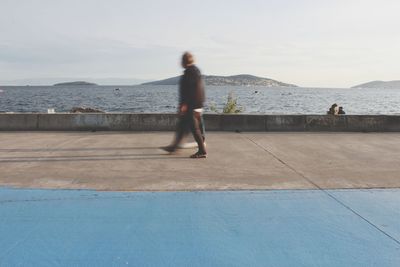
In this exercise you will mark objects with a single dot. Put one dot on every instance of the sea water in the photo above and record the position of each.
(154, 99)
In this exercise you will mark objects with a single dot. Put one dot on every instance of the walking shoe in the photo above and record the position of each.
(199, 155)
(169, 149)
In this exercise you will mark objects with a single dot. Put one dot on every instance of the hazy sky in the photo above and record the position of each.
(329, 43)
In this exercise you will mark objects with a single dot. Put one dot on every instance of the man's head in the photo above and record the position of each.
(187, 60)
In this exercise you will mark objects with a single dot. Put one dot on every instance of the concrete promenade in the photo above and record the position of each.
(260, 199)
(237, 161)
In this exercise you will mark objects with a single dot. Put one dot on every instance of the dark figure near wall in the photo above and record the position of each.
(341, 111)
(334, 110)
(191, 102)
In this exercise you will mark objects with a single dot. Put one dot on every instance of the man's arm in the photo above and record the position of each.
(183, 107)
(199, 91)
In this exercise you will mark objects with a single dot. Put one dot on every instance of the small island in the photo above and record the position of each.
(235, 80)
(380, 85)
(78, 83)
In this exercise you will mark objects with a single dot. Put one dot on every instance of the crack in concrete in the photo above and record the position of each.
(323, 190)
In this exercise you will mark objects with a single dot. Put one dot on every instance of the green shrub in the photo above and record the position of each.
(230, 107)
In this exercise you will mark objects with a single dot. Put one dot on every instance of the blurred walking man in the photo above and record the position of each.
(191, 101)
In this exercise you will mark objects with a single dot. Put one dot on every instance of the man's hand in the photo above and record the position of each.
(183, 109)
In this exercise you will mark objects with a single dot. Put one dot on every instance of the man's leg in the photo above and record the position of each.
(182, 129)
(196, 126)
(194, 144)
(202, 128)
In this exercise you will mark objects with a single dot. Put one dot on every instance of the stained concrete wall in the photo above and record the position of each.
(214, 122)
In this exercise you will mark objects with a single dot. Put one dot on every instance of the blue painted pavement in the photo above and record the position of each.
(246, 228)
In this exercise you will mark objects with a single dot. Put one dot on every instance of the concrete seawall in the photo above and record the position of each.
(214, 122)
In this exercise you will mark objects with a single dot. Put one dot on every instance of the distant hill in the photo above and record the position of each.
(380, 85)
(236, 80)
(51, 81)
(78, 83)
(169, 81)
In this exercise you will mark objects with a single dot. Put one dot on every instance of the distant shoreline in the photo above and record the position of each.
(235, 80)
(2, 86)
(78, 83)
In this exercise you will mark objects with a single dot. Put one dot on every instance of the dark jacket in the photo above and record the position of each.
(191, 88)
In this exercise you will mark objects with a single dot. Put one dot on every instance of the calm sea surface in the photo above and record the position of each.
(152, 99)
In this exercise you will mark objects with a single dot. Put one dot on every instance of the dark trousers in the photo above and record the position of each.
(191, 121)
